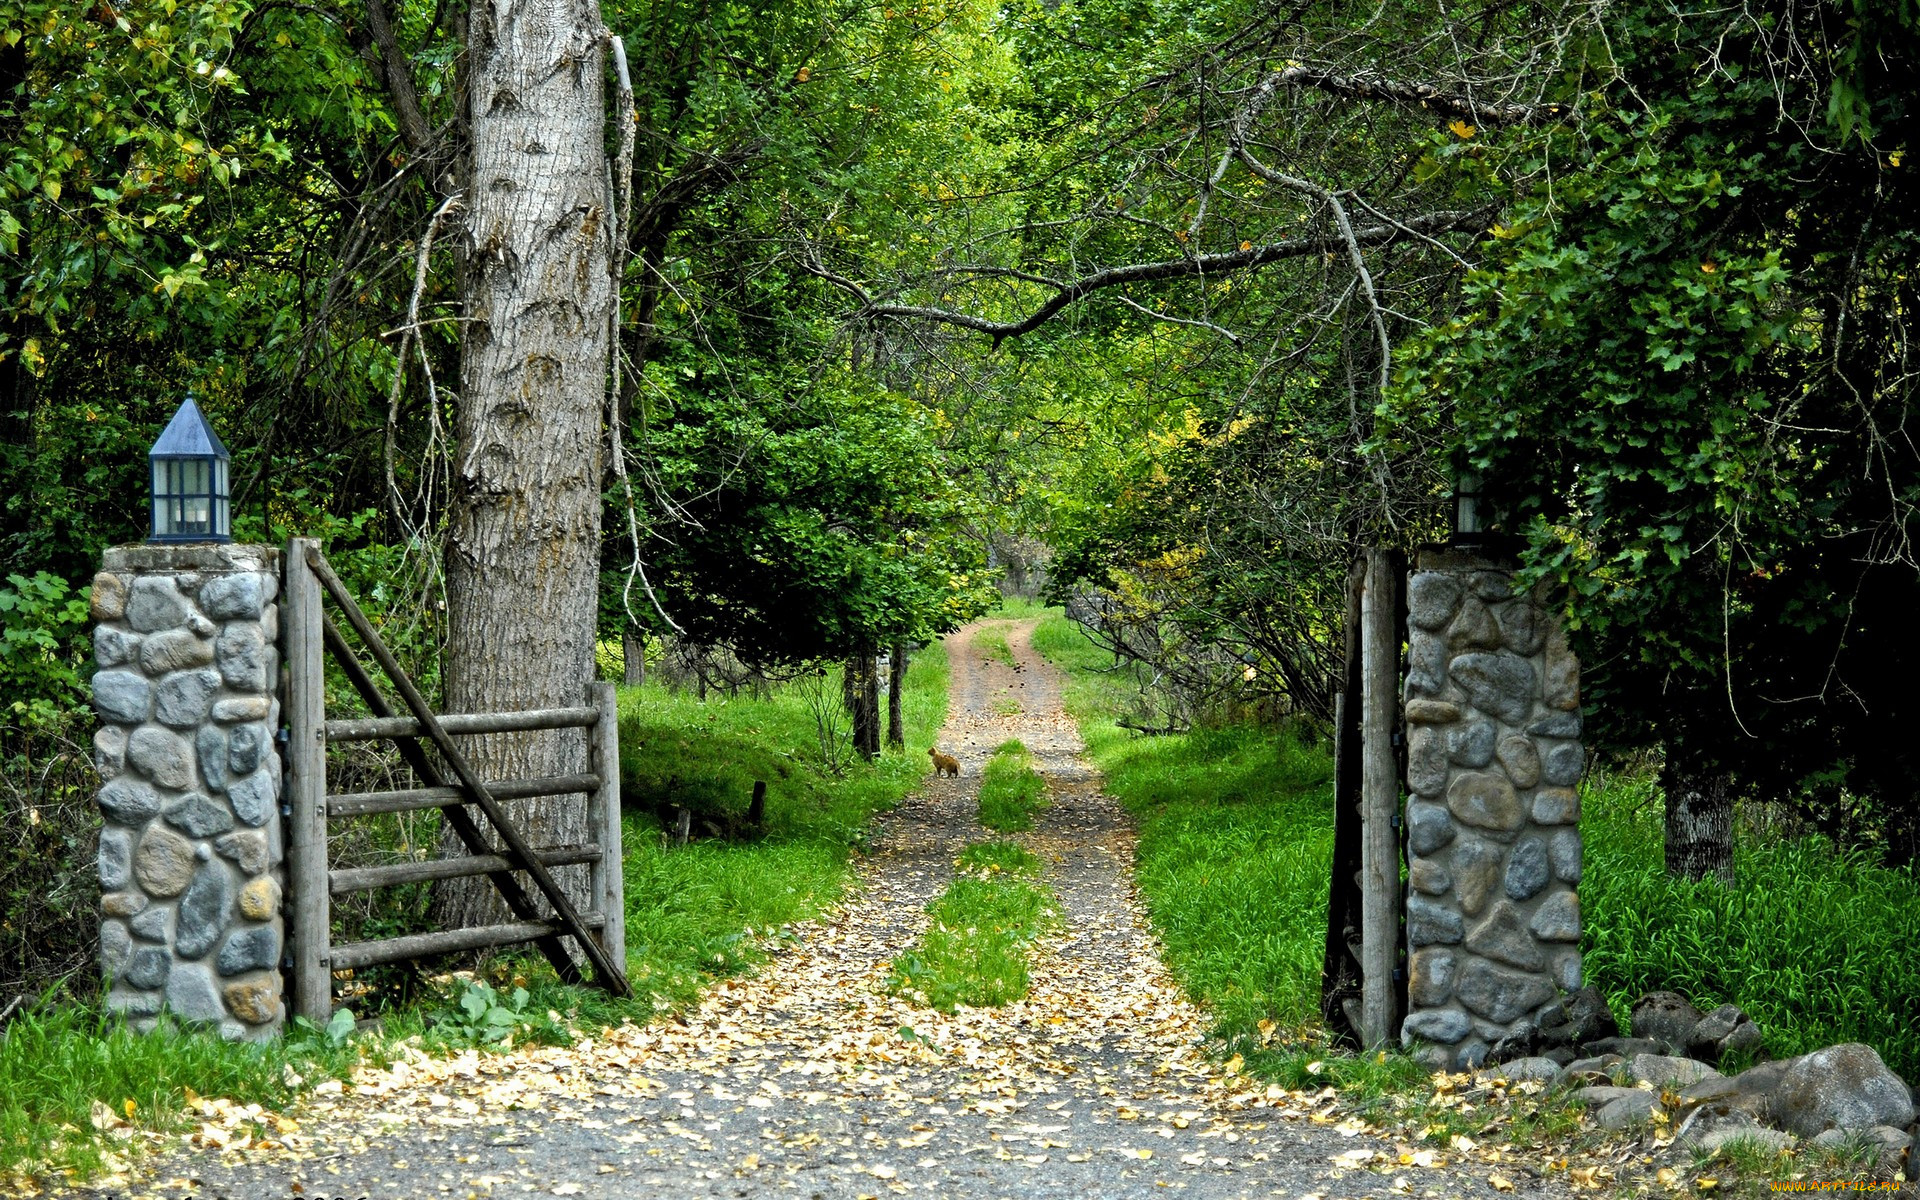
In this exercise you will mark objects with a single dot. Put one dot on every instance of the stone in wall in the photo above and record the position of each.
(189, 856)
(1493, 760)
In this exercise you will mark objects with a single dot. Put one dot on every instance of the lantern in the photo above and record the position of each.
(1469, 531)
(189, 480)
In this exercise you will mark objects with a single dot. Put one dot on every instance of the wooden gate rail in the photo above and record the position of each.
(600, 934)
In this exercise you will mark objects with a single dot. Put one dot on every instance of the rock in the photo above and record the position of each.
(204, 910)
(1444, 1026)
(1664, 1071)
(1527, 1070)
(1426, 665)
(1429, 828)
(116, 944)
(1717, 1024)
(1579, 1017)
(1665, 1017)
(1841, 1087)
(1432, 599)
(1430, 924)
(1471, 745)
(162, 756)
(255, 1001)
(1560, 686)
(1567, 971)
(247, 748)
(1431, 712)
(241, 708)
(249, 850)
(1625, 1047)
(1557, 919)
(1755, 1137)
(155, 604)
(242, 651)
(123, 696)
(133, 1004)
(112, 646)
(1560, 1054)
(128, 801)
(1473, 628)
(1559, 725)
(1746, 1038)
(1563, 764)
(193, 996)
(1485, 800)
(1582, 1071)
(211, 743)
(1476, 873)
(1430, 973)
(1709, 1090)
(147, 967)
(1519, 760)
(1500, 685)
(270, 623)
(235, 597)
(250, 949)
(109, 750)
(153, 924)
(109, 597)
(200, 815)
(1556, 806)
(1523, 627)
(1499, 994)
(1426, 761)
(253, 798)
(115, 858)
(1492, 586)
(164, 862)
(1527, 868)
(1601, 1095)
(1502, 936)
(122, 904)
(1428, 876)
(1470, 1055)
(260, 899)
(1628, 1111)
(1564, 853)
(174, 650)
(183, 698)
(1433, 1058)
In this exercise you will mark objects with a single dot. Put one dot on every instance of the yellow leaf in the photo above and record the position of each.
(129, 1107)
(1461, 129)
(1706, 1183)
(1666, 1177)
(51, 187)
(1237, 1061)
(1500, 1183)
(1266, 1027)
(1708, 268)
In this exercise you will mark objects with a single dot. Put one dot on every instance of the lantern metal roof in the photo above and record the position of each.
(189, 435)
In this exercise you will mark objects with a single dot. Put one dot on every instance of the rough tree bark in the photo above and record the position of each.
(524, 550)
(1699, 818)
(633, 656)
(861, 685)
(896, 680)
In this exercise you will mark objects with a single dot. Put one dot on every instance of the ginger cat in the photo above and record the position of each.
(944, 764)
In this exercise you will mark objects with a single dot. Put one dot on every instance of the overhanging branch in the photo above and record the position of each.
(1365, 85)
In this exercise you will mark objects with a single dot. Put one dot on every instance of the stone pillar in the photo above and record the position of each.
(1493, 760)
(190, 853)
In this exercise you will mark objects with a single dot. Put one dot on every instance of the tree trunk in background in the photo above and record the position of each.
(633, 656)
(896, 680)
(523, 560)
(862, 694)
(1699, 819)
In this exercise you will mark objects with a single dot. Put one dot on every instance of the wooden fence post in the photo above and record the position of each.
(306, 790)
(1379, 799)
(603, 816)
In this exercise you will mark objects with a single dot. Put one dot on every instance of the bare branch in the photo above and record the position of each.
(391, 65)
(1365, 85)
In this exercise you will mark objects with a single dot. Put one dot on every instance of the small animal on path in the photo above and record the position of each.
(944, 764)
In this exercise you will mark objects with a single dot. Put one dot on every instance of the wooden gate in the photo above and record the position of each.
(448, 784)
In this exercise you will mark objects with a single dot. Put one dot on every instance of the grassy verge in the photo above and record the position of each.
(693, 911)
(1019, 608)
(975, 951)
(1011, 791)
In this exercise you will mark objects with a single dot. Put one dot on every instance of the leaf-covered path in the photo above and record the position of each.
(809, 1079)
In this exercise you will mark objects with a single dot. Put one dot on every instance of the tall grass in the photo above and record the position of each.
(974, 952)
(1817, 943)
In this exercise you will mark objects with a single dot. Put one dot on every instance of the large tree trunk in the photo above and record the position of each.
(1699, 818)
(896, 680)
(524, 558)
(861, 685)
(633, 656)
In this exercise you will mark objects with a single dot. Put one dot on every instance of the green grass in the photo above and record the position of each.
(1815, 942)
(693, 912)
(992, 642)
(1011, 791)
(1019, 608)
(975, 950)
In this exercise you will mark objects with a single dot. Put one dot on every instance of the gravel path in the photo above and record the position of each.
(809, 1080)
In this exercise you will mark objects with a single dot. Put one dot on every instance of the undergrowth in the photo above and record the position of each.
(975, 950)
(1011, 791)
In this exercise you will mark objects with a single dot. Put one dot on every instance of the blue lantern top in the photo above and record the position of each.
(188, 470)
(189, 435)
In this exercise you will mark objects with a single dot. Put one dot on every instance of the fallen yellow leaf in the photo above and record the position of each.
(1500, 1183)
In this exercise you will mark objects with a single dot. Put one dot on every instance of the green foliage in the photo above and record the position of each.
(49, 882)
(42, 673)
(482, 1016)
(1011, 791)
(975, 951)
(1811, 939)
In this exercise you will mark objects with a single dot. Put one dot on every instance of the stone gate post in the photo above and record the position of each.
(1493, 837)
(190, 855)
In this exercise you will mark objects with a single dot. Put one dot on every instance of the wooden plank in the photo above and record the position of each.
(1340, 965)
(457, 819)
(447, 941)
(603, 817)
(360, 804)
(611, 977)
(367, 730)
(306, 798)
(1379, 801)
(360, 879)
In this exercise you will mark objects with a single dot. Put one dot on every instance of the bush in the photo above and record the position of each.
(49, 885)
